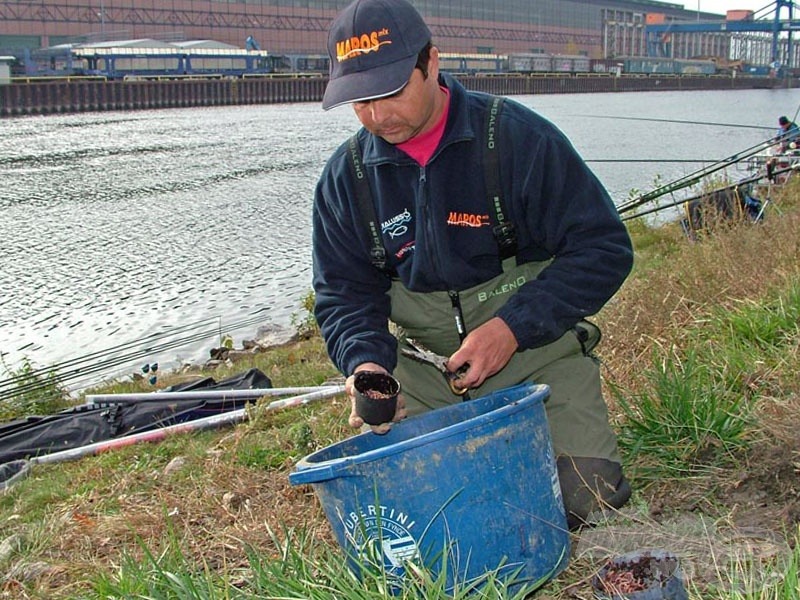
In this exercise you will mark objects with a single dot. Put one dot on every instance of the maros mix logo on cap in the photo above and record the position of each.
(364, 44)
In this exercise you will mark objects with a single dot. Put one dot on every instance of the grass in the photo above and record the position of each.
(686, 413)
(699, 399)
(700, 356)
(301, 568)
(34, 393)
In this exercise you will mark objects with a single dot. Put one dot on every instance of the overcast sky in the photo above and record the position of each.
(723, 6)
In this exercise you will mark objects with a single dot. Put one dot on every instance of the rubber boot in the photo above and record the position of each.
(589, 485)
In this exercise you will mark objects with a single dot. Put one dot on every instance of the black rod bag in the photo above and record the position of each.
(89, 423)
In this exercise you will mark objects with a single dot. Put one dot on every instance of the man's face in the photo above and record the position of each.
(409, 112)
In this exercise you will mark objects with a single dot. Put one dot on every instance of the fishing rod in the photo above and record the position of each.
(246, 394)
(70, 369)
(743, 182)
(149, 338)
(696, 176)
(28, 382)
(24, 383)
(127, 358)
(81, 371)
(709, 123)
(675, 203)
(117, 348)
(651, 160)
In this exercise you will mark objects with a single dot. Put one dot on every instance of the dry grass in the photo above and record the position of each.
(681, 285)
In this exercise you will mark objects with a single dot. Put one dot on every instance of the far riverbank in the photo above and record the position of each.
(70, 95)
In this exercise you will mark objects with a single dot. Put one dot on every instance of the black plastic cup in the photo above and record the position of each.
(376, 396)
(657, 573)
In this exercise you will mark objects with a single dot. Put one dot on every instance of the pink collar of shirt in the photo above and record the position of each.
(422, 147)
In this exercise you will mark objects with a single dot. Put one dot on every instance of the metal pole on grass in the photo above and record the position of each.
(203, 394)
(16, 470)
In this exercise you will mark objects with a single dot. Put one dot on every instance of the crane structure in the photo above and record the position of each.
(763, 36)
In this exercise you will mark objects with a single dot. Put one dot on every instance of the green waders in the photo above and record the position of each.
(588, 460)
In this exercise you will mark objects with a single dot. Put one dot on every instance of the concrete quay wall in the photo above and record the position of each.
(69, 95)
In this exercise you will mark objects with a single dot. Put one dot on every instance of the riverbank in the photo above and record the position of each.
(702, 376)
(41, 97)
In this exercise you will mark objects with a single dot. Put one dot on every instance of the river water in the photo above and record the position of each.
(122, 229)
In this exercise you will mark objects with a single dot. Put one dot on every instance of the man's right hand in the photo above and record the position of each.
(357, 422)
(487, 350)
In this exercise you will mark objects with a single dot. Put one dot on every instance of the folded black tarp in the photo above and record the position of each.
(90, 423)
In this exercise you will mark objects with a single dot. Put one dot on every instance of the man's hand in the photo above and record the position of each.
(486, 350)
(357, 422)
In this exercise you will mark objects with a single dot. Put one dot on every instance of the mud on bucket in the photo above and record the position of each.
(465, 490)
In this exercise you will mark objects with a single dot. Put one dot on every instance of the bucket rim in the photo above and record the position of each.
(527, 394)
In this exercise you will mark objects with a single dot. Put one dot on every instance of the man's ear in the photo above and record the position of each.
(433, 63)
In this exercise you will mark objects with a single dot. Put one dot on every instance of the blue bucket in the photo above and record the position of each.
(467, 490)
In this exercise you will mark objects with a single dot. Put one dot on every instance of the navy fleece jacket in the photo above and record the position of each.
(436, 228)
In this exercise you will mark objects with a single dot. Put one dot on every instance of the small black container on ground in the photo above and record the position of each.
(641, 575)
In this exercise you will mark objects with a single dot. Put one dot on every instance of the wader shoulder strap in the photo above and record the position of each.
(503, 230)
(377, 252)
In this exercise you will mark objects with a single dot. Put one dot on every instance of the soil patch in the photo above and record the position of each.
(761, 490)
(766, 491)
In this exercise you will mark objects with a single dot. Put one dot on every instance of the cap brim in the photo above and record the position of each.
(371, 84)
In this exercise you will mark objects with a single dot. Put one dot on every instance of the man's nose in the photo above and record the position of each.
(378, 109)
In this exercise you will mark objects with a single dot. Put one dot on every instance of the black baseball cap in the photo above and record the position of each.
(373, 47)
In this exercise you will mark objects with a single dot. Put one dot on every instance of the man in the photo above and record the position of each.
(788, 133)
(449, 282)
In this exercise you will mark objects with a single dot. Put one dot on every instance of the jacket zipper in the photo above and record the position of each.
(430, 229)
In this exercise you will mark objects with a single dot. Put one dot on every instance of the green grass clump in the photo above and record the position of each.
(31, 391)
(299, 568)
(670, 429)
(696, 405)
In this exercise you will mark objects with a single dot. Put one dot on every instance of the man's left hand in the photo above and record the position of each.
(356, 421)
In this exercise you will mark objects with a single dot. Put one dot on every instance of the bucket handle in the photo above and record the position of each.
(316, 474)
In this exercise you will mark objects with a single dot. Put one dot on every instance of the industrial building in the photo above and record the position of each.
(597, 29)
